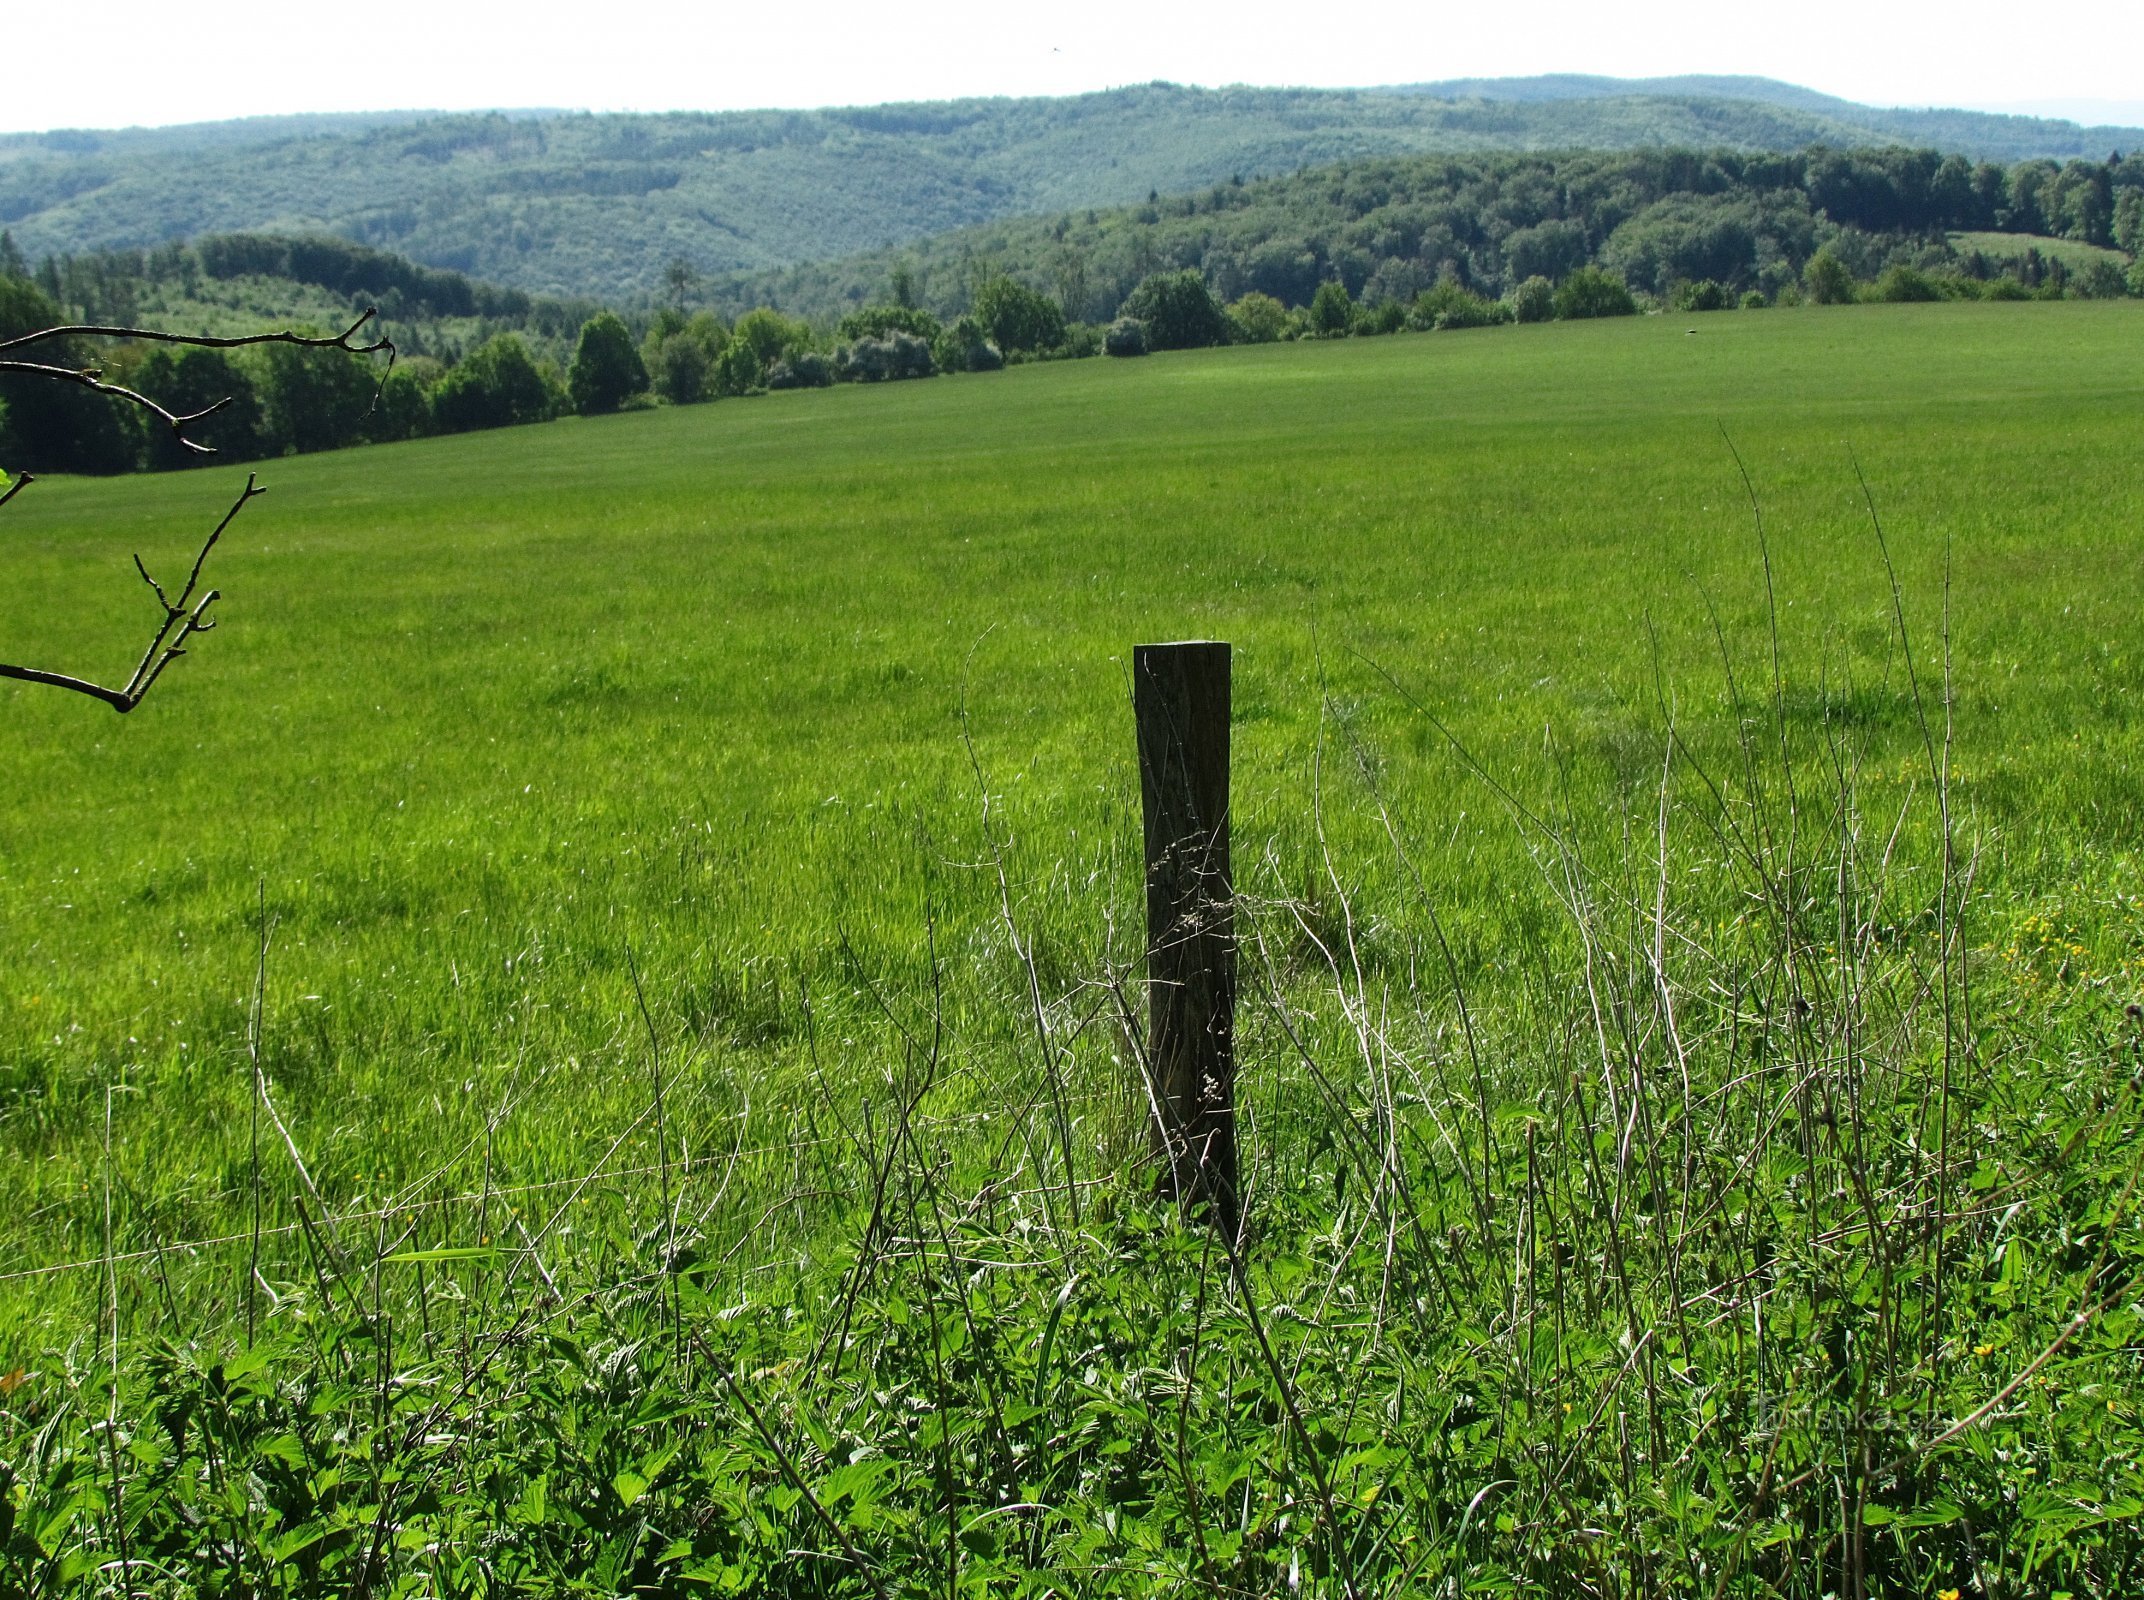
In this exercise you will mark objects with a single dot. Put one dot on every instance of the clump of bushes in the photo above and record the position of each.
(1703, 295)
(1125, 337)
(966, 346)
(1332, 311)
(878, 360)
(1534, 300)
(810, 369)
(1178, 310)
(1257, 319)
(1452, 305)
(1593, 292)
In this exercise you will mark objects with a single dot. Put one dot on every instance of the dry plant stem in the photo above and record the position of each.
(183, 618)
(1946, 934)
(662, 1160)
(253, 1058)
(1038, 1015)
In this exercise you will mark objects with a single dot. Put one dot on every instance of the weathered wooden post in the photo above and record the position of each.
(1180, 700)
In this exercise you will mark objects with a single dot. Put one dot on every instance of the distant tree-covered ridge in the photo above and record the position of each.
(1390, 229)
(1424, 244)
(574, 204)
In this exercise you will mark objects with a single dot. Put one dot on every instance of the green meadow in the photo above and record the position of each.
(733, 805)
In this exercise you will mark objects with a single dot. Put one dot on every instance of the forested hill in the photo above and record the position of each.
(599, 205)
(1389, 228)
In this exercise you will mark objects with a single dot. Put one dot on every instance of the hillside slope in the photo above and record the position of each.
(580, 204)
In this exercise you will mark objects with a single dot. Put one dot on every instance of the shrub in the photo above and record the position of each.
(1387, 316)
(1593, 292)
(1082, 339)
(680, 370)
(1332, 311)
(808, 369)
(1179, 311)
(1015, 317)
(681, 354)
(1901, 284)
(899, 355)
(404, 407)
(876, 322)
(2103, 280)
(738, 369)
(2005, 289)
(772, 336)
(1754, 300)
(1534, 300)
(1126, 337)
(497, 385)
(1257, 319)
(966, 347)
(607, 370)
(1452, 305)
(1827, 280)
(1706, 294)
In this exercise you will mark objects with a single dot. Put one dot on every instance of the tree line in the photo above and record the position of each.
(1515, 240)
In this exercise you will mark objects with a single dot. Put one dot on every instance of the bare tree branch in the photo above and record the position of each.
(188, 614)
(208, 341)
(92, 378)
(183, 618)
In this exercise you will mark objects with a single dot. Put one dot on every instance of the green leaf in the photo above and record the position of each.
(463, 1253)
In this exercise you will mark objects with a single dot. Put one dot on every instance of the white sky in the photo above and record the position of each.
(146, 63)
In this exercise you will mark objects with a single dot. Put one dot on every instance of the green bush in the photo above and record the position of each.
(1126, 337)
(1451, 305)
(1332, 311)
(809, 369)
(1015, 317)
(1593, 292)
(738, 370)
(1902, 284)
(1707, 294)
(1179, 311)
(876, 322)
(966, 347)
(497, 385)
(607, 371)
(1387, 316)
(1258, 319)
(2103, 280)
(680, 355)
(1534, 300)
(404, 407)
(898, 355)
(771, 336)
(1754, 300)
(1827, 280)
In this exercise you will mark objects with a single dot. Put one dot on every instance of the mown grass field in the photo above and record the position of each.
(717, 695)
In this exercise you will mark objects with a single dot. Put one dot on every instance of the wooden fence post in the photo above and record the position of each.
(1180, 700)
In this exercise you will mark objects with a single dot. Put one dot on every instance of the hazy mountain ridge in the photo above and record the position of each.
(573, 203)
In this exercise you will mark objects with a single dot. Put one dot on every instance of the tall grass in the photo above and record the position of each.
(1688, 1149)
